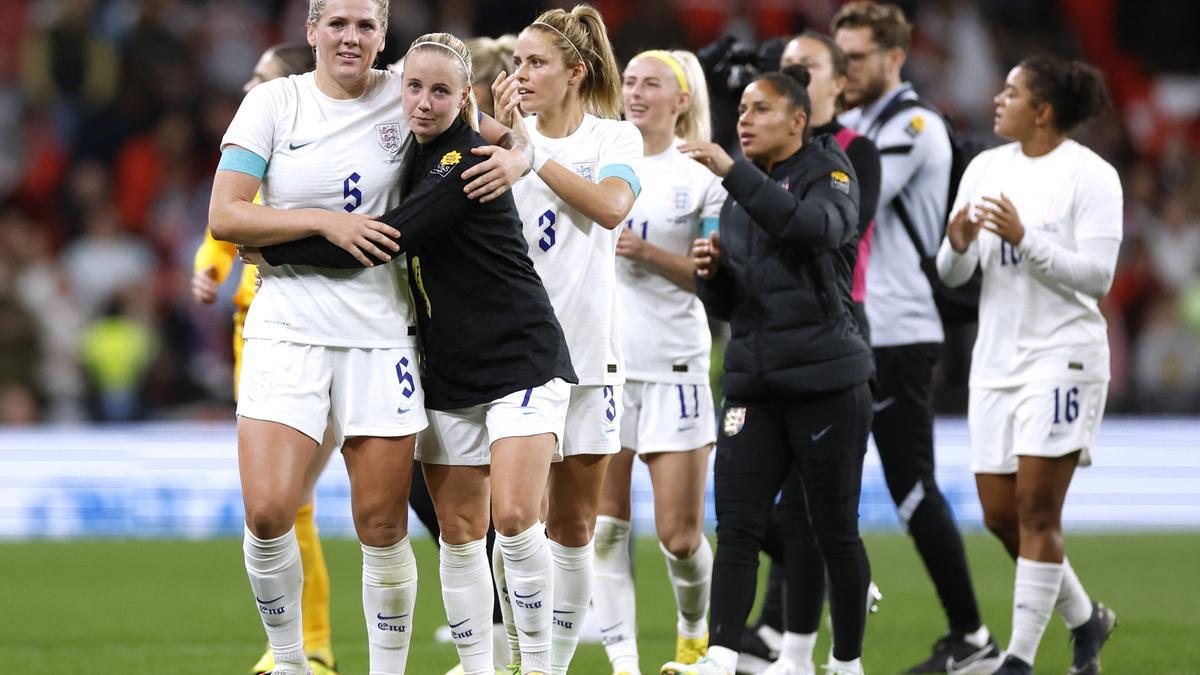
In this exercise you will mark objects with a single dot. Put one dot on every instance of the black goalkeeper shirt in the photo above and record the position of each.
(486, 325)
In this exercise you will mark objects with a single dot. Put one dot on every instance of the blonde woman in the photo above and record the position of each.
(567, 80)
(667, 419)
(325, 149)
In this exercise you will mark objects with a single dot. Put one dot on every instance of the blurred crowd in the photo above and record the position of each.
(111, 114)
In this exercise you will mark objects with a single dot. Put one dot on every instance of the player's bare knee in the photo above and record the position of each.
(682, 542)
(268, 521)
(381, 527)
(513, 519)
(573, 532)
(461, 529)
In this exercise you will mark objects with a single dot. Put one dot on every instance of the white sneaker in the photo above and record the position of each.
(789, 667)
(841, 670)
(704, 666)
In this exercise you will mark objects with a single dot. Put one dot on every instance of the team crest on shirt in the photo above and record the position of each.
(447, 164)
(915, 126)
(682, 198)
(586, 170)
(840, 181)
(735, 419)
(390, 137)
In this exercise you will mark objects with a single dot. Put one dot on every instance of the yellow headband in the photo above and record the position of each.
(672, 63)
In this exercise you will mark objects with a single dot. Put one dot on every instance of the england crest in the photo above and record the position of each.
(683, 198)
(586, 170)
(735, 419)
(390, 137)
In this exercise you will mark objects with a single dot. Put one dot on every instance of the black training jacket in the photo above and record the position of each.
(781, 282)
(486, 325)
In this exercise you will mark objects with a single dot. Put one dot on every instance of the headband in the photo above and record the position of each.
(452, 50)
(672, 63)
(564, 36)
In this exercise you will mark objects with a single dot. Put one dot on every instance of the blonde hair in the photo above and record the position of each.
(492, 55)
(382, 8)
(449, 46)
(581, 37)
(695, 122)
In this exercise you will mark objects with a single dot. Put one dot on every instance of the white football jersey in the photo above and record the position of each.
(1032, 328)
(339, 155)
(666, 336)
(575, 257)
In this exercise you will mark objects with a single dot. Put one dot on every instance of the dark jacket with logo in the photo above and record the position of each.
(486, 325)
(782, 282)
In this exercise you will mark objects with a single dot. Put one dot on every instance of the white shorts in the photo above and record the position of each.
(593, 421)
(464, 437)
(361, 392)
(659, 417)
(1041, 419)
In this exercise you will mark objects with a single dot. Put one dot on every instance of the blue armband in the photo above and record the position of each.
(625, 173)
(242, 160)
(709, 225)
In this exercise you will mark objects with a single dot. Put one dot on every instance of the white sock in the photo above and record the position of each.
(389, 581)
(572, 595)
(854, 666)
(501, 654)
(277, 579)
(529, 580)
(1073, 602)
(691, 578)
(979, 638)
(798, 647)
(466, 581)
(724, 657)
(506, 612)
(1034, 593)
(614, 598)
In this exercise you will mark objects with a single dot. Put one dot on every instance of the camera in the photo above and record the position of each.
(733, 63)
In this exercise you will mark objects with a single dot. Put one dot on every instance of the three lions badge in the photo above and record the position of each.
(735, 419)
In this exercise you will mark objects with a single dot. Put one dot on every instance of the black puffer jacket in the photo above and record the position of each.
(781, 282)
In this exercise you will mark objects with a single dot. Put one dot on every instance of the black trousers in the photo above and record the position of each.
(903, 430)
(825, 438)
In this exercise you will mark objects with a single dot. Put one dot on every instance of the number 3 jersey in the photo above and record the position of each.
(341, 156)
(665, 330)
(1033, 328)
(575, 257)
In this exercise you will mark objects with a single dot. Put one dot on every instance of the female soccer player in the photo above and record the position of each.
(496, 369)
(796, 367)
(213, 262)
(325, 150)
(584, 187)
(667, 416)
(1042, 216)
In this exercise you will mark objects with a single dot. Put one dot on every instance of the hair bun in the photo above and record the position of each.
(798, 73)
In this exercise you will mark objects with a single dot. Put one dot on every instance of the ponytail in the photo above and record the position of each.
(581, 37)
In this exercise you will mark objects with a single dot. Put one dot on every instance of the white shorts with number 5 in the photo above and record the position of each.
(361, 392)
(1041, 419)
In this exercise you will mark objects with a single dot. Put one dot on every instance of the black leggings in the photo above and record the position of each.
(825, 437)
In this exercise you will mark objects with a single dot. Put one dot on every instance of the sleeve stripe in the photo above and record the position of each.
(896, 150)
(234, 158)
(625, 173)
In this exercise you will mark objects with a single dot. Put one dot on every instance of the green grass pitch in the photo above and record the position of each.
(129, 607)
